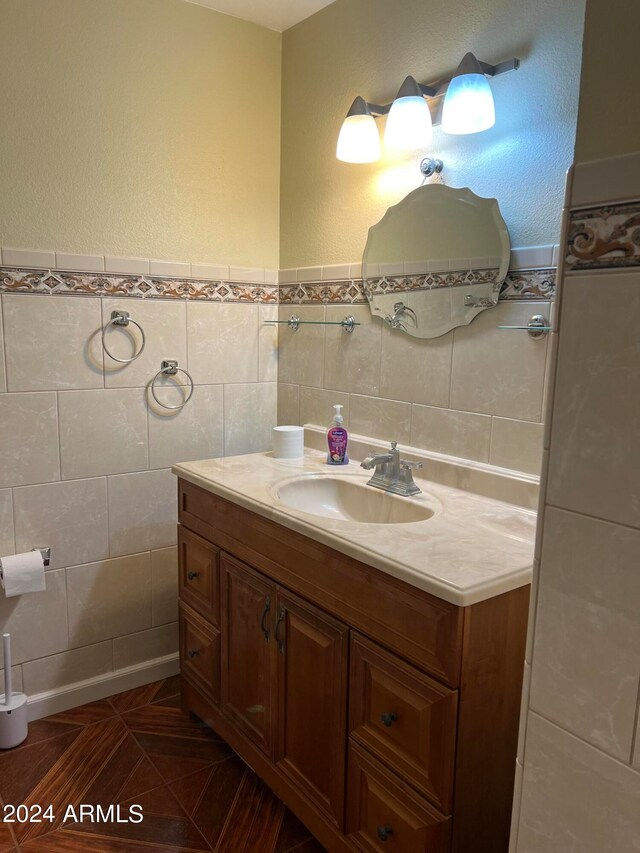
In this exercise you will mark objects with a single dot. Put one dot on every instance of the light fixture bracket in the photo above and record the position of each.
(500, 68)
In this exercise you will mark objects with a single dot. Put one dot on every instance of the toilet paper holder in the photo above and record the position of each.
(46, 555)
(20, 573)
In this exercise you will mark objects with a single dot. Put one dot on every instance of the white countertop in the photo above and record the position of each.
(473, 548)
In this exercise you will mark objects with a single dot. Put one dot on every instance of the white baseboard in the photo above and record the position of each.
(100, 687)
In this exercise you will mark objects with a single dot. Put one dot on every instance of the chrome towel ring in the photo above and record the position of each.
(122, 318)
(170, 368)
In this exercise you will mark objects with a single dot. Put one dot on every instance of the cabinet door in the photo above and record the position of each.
(312, 702)
(248, 650)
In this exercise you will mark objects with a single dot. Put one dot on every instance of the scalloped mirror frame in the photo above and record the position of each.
(429, 297)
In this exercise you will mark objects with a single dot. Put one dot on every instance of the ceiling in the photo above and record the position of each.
(274, 14)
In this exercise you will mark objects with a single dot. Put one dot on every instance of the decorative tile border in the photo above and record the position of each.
(430, 281)
(604, 237)
(349, 292)
(61, 283)
(529, 284)
(522, 285)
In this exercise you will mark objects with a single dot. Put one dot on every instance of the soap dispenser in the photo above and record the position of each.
(337, 439)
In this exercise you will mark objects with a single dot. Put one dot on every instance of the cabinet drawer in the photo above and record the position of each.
(199, 567)
(404, 717)
(385, 814)
(200, 652)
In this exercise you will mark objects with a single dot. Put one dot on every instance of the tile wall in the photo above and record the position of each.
(476, 392)
(578, 770)
(86, 453)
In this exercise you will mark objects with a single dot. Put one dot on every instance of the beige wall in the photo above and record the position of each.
(608, 116)
(130, 128)
(367, 47)
(139, 127)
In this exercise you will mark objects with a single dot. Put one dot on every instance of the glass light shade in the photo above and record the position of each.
(468, 105)
(359, 140)
(409, 124)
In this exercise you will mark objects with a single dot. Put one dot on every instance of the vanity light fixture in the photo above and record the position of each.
(409, 123)
(468, 108)
(359, 140)
(468, 105)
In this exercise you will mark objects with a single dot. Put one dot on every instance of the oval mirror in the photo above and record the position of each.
(436, 260)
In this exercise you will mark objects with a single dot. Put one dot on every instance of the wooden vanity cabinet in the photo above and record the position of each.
(385, 718)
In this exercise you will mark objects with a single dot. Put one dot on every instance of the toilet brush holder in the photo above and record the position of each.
(13, 706)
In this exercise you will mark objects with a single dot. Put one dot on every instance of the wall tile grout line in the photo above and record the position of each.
(59, 434)
(66, 607)
(587, 743)
(108, 517)
(451, 361)
(4, 344)
(635, 742)
(580, 514)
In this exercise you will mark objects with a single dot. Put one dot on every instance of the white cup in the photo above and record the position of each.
(288, 442)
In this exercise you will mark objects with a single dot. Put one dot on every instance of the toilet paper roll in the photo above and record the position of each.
(288, 442)
(22, 573)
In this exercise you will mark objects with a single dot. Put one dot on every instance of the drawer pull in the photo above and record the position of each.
(191, 576)
(384, 832)
(388, 719)
(193, 653)
(267, 608)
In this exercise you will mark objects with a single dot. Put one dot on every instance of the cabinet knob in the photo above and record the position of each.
(193, 653)
(384, 832)
(388, 718)
(191, 576)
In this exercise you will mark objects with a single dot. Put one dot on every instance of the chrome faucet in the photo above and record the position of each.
(392, 473)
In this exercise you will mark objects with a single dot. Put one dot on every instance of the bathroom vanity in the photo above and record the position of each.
(363, 658)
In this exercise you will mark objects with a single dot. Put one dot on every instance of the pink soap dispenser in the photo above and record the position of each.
(337, 439)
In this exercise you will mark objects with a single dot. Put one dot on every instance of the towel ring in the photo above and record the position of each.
(122, 318)
(170, 368)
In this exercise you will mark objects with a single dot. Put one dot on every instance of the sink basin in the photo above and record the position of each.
(347, 500)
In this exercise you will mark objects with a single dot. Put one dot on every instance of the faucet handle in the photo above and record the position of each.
(394, 444)
(410, 466)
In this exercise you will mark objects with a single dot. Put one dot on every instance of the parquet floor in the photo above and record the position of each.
(138, 748)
